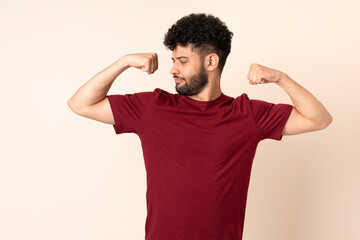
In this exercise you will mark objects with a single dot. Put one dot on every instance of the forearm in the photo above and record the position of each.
(304, 101)
(95, 89)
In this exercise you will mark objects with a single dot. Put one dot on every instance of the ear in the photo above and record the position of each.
(211, 62)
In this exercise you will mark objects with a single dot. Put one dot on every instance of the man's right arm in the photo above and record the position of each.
(90, 99)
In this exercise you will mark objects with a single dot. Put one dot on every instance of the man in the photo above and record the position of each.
(199, 144)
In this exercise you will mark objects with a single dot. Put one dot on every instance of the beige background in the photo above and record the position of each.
(63, 176)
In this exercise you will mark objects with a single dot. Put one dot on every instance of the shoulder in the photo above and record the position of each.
(244, 96)
(160, 91)
(243, 100)
(147, 95)
(163, 95)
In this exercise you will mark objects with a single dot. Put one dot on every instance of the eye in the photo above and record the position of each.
(183, 62)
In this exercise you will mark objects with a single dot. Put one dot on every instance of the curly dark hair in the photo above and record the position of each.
(206, 33)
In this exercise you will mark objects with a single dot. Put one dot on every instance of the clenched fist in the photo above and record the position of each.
(260, 74)
(147, 62)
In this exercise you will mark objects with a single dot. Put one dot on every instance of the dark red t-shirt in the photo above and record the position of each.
(198, 157)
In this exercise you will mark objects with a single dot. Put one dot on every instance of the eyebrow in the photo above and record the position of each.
(180, 57)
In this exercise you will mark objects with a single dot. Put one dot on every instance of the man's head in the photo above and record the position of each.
(194, 39)
(206, 33)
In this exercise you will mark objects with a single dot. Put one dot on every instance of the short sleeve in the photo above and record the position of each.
(129, 109)
(270, 118)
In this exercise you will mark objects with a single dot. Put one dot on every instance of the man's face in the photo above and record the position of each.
(188, 71)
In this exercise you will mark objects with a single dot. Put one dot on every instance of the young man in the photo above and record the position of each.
(199, 144)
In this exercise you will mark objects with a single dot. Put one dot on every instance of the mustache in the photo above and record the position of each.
(176, 76)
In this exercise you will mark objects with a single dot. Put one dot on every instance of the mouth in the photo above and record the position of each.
(178, 80)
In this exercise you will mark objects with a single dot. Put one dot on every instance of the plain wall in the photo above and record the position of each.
(63, 176)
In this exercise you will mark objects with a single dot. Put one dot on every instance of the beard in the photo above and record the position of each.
(193, 85)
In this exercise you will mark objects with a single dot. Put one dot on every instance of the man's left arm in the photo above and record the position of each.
(308, 114)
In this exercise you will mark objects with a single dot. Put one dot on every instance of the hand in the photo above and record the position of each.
(259, 74)
(147, 62)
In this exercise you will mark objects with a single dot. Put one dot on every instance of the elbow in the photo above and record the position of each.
(72, 106)
(327, 122)
(69, 103)
(330, 119)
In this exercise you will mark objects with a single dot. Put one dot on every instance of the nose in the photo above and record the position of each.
(174, 69)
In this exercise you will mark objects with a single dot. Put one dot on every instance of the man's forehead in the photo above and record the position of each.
(183, 52)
